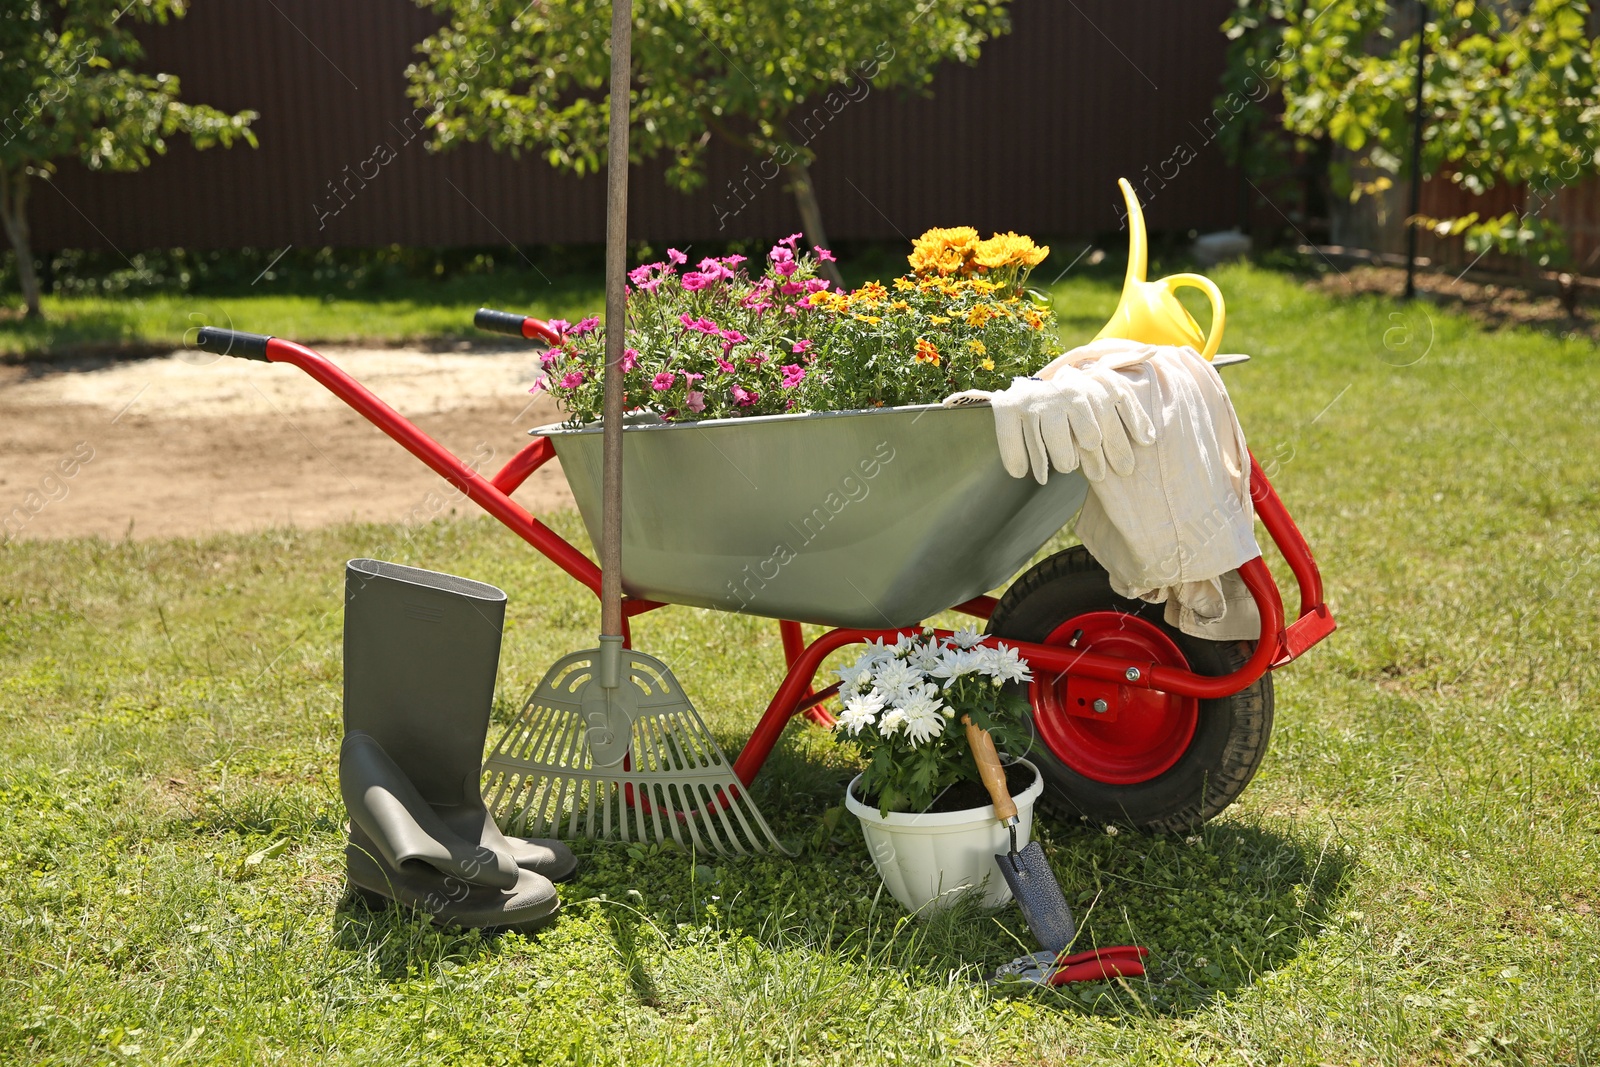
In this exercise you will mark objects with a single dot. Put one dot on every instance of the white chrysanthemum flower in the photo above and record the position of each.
(1002, 664)
(924, 724)
(896, 678)
(856, 678)
(953, 663)
(891, 722)
(860, 711)
(966, 637)
(924, 714)
(925, 656)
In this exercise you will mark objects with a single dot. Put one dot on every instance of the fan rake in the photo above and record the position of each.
(639, 766)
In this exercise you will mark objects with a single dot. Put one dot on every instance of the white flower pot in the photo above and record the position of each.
(928, 860)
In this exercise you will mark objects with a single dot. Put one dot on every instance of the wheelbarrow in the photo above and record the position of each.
(866, 523)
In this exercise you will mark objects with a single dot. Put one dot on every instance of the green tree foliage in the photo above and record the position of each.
(765, 75)
(1510, 95)
(71, 87)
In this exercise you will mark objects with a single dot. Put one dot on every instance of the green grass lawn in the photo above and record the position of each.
(409, 311)
(1412, 878)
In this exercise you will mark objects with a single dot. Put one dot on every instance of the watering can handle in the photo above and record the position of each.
(1219, 314)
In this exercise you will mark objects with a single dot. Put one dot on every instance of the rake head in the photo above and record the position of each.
(634, 763)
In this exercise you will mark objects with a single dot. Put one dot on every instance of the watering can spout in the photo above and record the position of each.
(1149, 312)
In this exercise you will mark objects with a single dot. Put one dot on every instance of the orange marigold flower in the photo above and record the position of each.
(979, 314)
(1034, 319)
(872, 292)
(926, 353)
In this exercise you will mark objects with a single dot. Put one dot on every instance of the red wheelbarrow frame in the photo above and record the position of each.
(1279, 643)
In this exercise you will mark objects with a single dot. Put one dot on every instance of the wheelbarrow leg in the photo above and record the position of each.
(794, 643)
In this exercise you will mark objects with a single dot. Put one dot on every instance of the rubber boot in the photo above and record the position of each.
(421, 654)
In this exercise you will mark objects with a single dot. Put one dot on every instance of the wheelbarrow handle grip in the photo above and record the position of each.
(232, 343)
(505, 322)
(514, 325)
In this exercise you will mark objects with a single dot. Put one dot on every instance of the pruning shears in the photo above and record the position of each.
(1096, 965)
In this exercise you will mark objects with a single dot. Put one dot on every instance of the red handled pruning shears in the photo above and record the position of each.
(1095, 965)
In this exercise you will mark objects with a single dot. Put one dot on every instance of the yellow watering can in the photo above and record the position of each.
(1149, 311)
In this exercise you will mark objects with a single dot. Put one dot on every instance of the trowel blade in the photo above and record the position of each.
(1039, 895)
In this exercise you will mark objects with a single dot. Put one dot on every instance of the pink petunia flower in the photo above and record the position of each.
(733, 336)
(793, 375)
(791, 288)
(723, 365)
(663, 381)
(695, 401)
(757, 359)
(780, 254)
(540, 386)
(630, 359)
(792, 240)
(817, 285)
(732, 261)
(548, 357)
(691, 377)
(586, 326)
(559, 327)
(639, 275)
(825, 256)
(800, 348)
(744, 397)
(572, 379)
(694, 280)
(677, 257)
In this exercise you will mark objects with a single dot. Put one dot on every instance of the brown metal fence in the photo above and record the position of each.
(1033, 139)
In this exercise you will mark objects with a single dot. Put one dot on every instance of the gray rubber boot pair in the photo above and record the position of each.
(421, 650)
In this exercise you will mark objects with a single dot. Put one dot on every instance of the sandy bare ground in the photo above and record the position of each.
(187, 445)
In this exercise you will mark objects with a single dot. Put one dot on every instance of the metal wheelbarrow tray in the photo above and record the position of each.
(916, 516)
(878, 518)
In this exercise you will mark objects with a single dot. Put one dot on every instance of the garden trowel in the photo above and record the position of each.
(1038, 893)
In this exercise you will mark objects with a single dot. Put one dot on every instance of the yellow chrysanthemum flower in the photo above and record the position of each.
(987, 364)
(1008, 250)
(978, 347)
(943, 251)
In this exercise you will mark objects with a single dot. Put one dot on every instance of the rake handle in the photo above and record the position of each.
(616, 326)
(989, 769)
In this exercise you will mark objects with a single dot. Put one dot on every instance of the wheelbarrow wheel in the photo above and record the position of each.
(1165, 763)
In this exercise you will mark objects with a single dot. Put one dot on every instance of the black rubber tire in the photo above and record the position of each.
(1230, 738)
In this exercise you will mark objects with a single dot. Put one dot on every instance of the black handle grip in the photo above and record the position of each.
(232, 343)
(499, 321)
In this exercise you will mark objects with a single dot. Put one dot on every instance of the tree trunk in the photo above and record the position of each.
(805, 197)
(14, 213)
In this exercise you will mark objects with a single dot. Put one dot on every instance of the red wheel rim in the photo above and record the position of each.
(1151, 729)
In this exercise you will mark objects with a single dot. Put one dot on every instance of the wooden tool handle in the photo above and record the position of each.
(989, 769)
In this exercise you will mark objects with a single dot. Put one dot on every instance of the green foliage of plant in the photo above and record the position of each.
(763, 75)
(1510, 95)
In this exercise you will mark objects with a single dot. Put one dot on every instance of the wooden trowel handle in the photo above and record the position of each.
(989, 769)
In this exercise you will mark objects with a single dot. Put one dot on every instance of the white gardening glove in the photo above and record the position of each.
(1124, 422)
(1041, 424)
